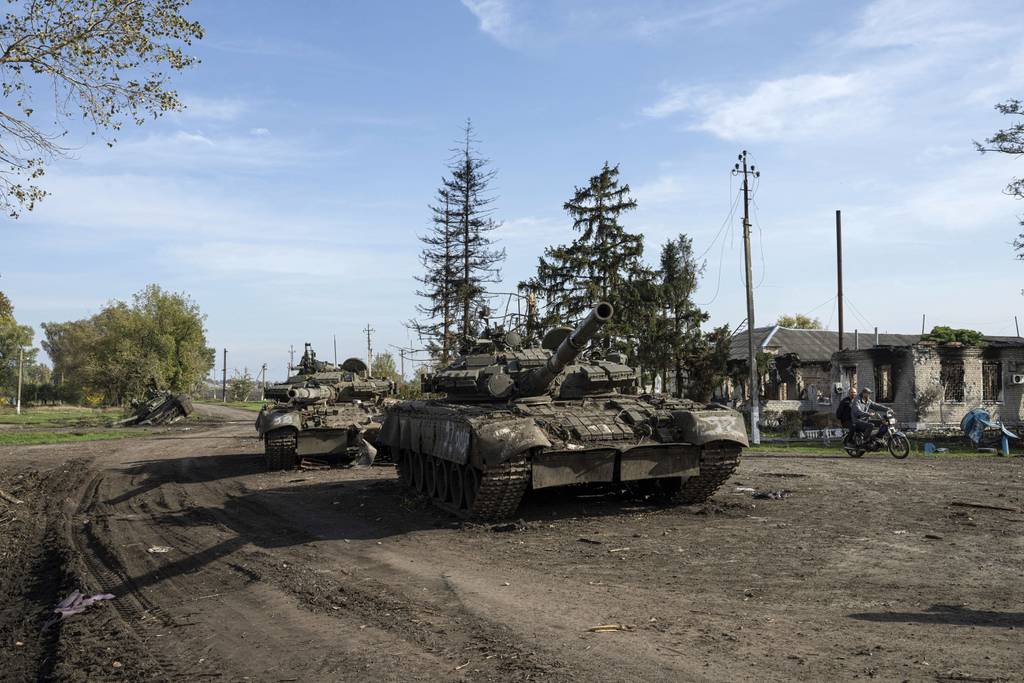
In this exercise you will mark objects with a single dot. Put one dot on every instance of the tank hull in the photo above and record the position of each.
(339, 431)
(489, 455)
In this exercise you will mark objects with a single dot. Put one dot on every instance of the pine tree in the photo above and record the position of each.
(477, 261)
(680, 272)
(458, 256)
(439, 280)
(599, 263)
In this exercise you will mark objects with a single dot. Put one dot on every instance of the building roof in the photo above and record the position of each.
(811, 346)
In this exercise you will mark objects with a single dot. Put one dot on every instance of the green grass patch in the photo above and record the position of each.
(64, 416)
(30, 438)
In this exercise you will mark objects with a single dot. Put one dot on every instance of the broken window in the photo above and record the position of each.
(991, 381)
(883, 383)
(850, 376)
(951, 375)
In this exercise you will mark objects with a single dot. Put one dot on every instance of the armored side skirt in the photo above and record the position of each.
(325, 442)
(594, 465)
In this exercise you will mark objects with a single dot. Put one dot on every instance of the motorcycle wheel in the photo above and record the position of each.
(899, 446)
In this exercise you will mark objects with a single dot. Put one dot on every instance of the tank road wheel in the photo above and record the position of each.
(417, 467)
(717, 463)
(429, 478)
(456, 477)
(441, 479)
(279, 449)
(470, 484)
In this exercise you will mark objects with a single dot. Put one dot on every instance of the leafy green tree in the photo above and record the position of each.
(240, 386)
(14, 338)
(156, 342)
(599, 263)
(99, 61)
(954, 335)
(384, 367)
(1010, 141)
(799, 322)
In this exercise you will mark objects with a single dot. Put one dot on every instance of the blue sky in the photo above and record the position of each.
(287, 199)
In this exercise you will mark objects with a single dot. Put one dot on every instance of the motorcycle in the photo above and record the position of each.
(888, 436)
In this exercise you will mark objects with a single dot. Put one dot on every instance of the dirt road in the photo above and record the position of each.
(864, 571)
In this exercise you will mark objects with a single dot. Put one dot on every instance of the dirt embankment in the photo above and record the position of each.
(865, 570)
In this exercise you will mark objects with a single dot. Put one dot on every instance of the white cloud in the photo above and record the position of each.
(212, 109)
(801, 106)
(259, 131)
(904, 23)
(494, 16)
(708, 15)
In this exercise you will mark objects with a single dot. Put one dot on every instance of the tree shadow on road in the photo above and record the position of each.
(947, 614)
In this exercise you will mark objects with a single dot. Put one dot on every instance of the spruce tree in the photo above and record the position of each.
(439, 280)
(599, 263)
(472, 215)
(680, 273)
(458, 256)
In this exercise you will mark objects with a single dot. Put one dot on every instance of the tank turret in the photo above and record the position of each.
(537, 381)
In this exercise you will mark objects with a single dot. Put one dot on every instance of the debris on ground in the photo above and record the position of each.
(745, 489)
(518, 525)
(163, 408)
(984, 506)
(608, 628)
(900, 532)
(773, 495)
(583, 539)
(160, 549)
(77, 602)
(314, 464)
(9, 498)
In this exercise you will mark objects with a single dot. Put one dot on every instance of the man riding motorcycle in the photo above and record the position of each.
(861, 411)
(844, 411)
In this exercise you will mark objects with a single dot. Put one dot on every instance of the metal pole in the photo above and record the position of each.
(224, 380)
(335, 350)
(1017, 324)
(401, 354)
(839, 271)
(922, 323)
(755, 384)
(369, 349)
(21, 365)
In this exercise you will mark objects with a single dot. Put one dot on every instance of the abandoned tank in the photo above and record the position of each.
(332, 412)
(515, 418)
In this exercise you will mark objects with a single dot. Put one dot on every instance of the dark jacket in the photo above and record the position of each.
(843, 412)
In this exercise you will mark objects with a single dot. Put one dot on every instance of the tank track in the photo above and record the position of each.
(502, 487)
(717, 463)
(280, 446)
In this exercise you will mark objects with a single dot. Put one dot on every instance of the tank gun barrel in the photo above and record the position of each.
(308, 394)
(538, 380)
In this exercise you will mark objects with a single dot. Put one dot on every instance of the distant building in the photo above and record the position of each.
(797, 373)
(930, 385)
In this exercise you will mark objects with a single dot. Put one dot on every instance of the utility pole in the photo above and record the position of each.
(839, 272)
(224, 380)
(1017, 324)
(741, 168)
(369, 348)
(335, 350)
(263, 381)
(21, 365)
(401, 355)
(291, 357)
(922, 324)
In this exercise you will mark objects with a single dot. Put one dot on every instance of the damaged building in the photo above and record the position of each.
(796, 366)
(932, 385)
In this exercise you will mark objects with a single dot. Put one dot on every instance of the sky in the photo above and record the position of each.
(288, 197)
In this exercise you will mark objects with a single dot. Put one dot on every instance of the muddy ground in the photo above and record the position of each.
(865, 571)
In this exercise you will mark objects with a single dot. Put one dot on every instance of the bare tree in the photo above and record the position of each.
(96, 60)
